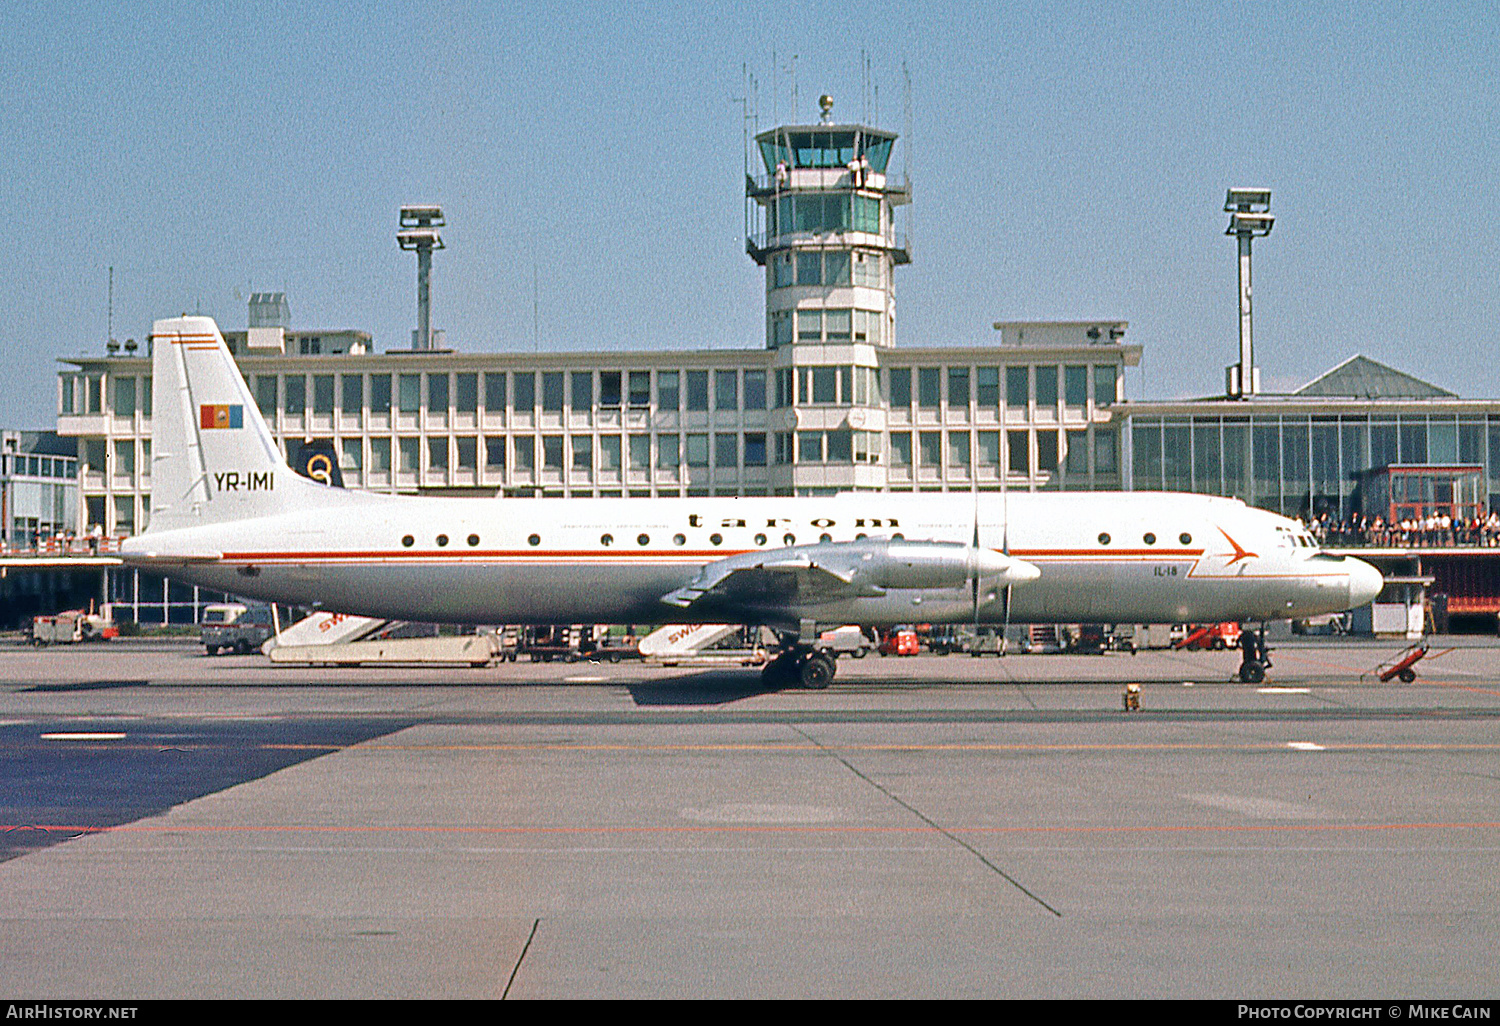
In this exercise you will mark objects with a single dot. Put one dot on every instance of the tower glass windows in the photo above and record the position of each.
(810, 268)
(836, 267)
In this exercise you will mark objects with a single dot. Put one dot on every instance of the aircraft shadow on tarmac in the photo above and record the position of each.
(68, 777)
(715, 687)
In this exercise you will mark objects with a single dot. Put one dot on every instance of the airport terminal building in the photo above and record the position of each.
(830, 400)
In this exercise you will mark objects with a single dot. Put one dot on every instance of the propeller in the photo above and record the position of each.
(1005, 548)
(974, 564)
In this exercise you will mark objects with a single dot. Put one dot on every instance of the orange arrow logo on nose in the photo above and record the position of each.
(1239, 553)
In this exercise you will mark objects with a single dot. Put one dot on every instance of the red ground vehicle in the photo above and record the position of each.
(1217, 636)
(899, 642)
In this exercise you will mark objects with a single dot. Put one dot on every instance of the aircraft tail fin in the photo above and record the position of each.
(213, 457)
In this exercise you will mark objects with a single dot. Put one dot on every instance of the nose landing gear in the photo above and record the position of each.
(1256, 659)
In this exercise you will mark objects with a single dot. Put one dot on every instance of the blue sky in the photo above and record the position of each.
(1068, 161)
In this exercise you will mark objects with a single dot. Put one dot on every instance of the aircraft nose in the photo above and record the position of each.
(1365, 583)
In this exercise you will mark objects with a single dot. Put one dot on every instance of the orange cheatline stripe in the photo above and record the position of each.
(1158, 553)
(756, 828)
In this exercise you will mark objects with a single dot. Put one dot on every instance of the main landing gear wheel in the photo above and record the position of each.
(816, 671)
(806, 667)
(1252, 673)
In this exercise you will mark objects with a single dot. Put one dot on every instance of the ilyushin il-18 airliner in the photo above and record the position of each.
(227, 513)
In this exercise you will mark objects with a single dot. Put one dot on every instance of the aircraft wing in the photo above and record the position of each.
(782, 577)
(791, 583)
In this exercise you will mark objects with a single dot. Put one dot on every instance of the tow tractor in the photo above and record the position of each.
(1217, 636)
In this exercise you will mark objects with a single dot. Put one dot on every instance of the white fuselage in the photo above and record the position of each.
(1110, 558)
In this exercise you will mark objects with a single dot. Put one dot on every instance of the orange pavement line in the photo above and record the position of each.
(752, 829)
(906, 747)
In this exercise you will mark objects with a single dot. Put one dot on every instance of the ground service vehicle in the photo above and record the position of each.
(233, 627)
(848, 640)
(900, 642)
(71, 627)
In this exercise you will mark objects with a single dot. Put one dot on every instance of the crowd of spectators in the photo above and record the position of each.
(1431, 531)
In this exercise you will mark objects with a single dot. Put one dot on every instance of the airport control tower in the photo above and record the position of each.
(829, 242)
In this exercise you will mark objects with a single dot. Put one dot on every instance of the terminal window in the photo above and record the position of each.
(125, 397)
(609, 453)
(525, 451)
(640, 388)
(380, 455)
(755, 390)
(583, 391)
(609, 388)
(552, 391)
(900, 378)
(901, 448)
(523, 393)
(1017, 387)
(466, 449)
(697, 390)
(928, 387)
(494, 392)
(1046, 387)
(668, 396)
(958, 387)
(323, 394)
(466, 393)
(409, 393)
(380, 394)
(726, 390)
(294, 395)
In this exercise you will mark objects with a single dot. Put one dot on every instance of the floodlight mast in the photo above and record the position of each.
(419, 231)
(1249, 216)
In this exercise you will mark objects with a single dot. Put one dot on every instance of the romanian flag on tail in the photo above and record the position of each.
(210, 417)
